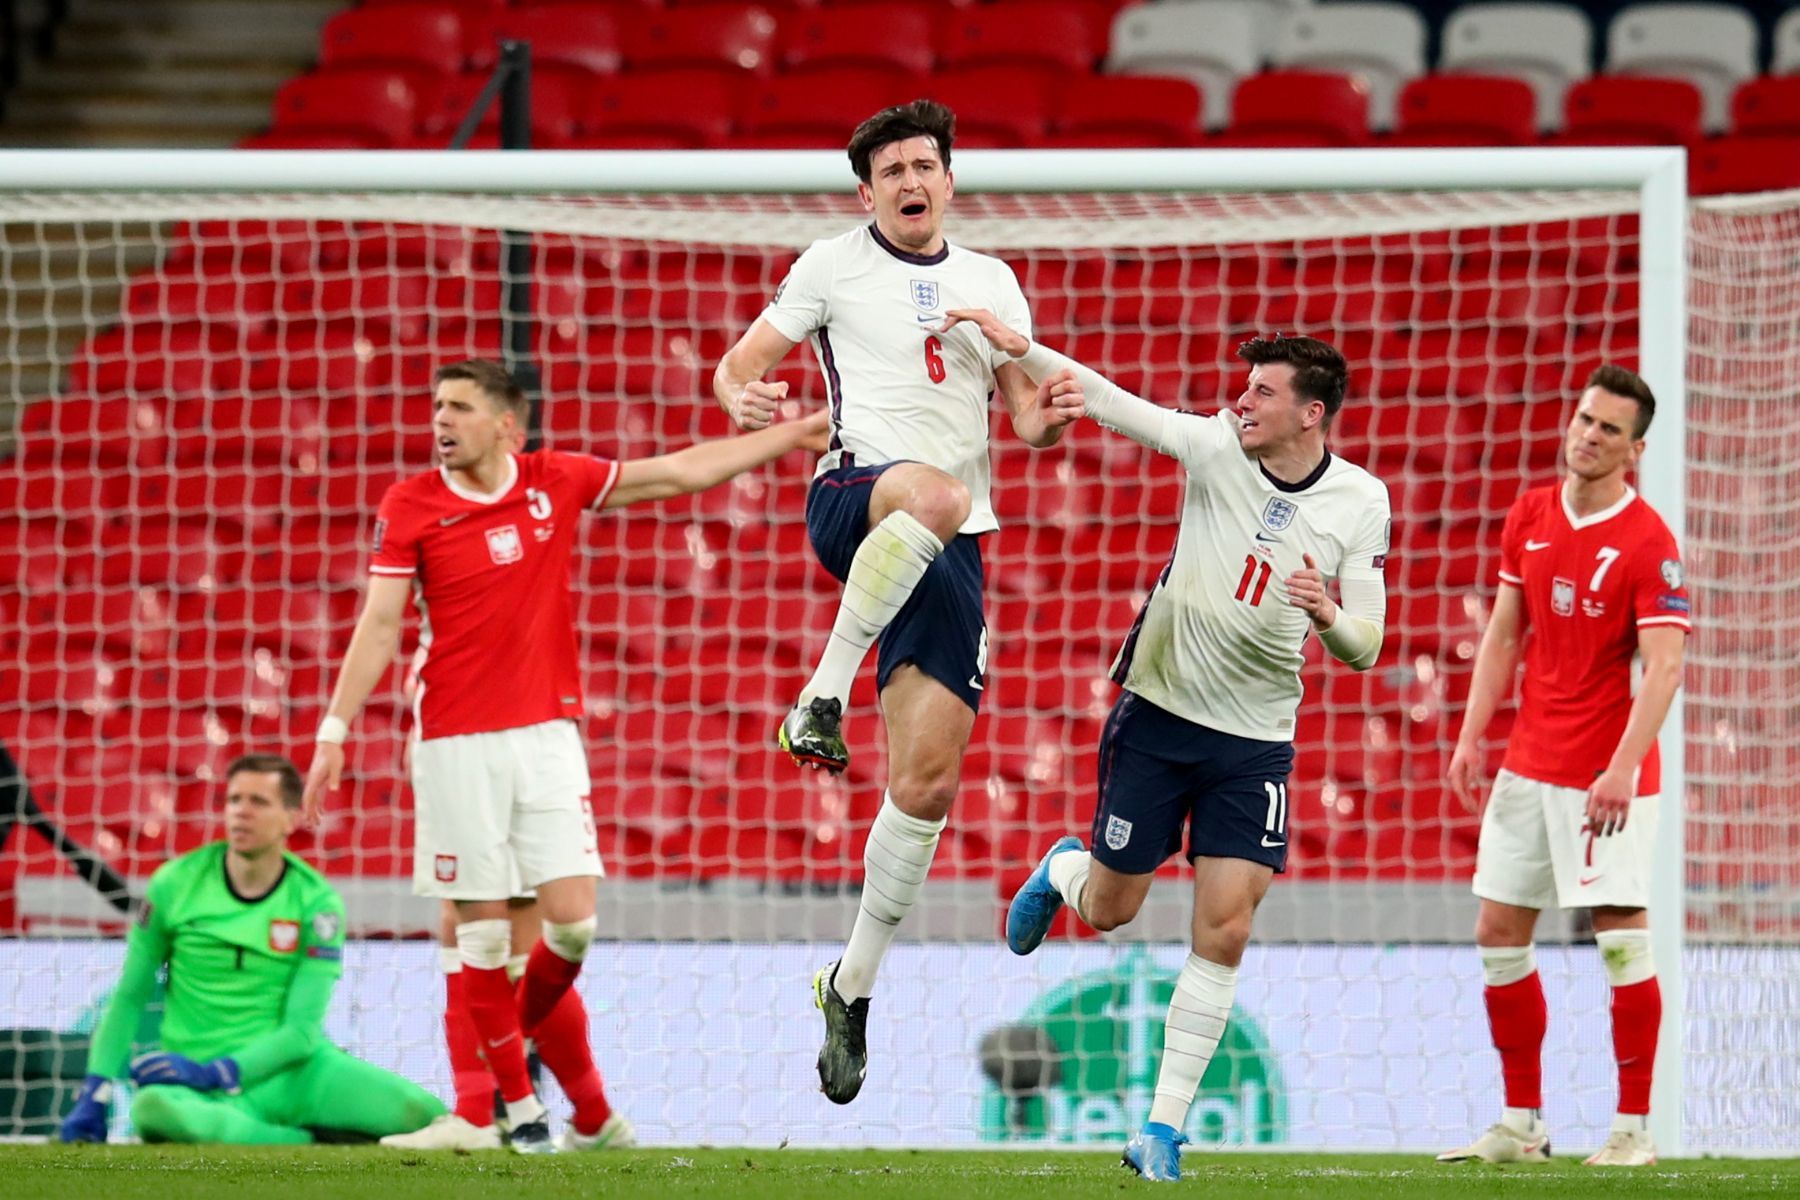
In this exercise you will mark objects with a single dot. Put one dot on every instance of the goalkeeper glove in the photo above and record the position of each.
(87, 1121)
(219, 1075)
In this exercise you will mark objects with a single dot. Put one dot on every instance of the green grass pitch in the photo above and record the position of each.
(129, 1172)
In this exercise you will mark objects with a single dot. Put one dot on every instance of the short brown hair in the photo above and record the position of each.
(1610, 377)
(292, 789)
(1320, 372)
(491, 378)
(921, 118)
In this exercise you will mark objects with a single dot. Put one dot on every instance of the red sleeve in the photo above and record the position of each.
(396, 536)
(594, 479)
(1658, 587)
(1511, 535)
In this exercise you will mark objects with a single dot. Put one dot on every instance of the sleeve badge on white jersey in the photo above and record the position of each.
(1278, 514)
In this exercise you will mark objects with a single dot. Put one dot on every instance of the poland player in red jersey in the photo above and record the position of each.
(499, 773)
(1590, 578)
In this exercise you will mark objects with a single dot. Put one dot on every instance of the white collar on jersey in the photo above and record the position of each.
(493, 497)
(1605, 514)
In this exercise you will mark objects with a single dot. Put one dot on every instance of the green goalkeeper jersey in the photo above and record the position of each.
(247, 979)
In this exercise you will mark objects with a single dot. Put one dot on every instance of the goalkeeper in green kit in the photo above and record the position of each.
(253, 939)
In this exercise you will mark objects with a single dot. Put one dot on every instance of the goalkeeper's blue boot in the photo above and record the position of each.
(813, 734)
(1035, 905)
(1156, 1153)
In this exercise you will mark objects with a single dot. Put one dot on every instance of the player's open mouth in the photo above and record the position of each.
(1247, 423)
(446, 445)
(916, 209)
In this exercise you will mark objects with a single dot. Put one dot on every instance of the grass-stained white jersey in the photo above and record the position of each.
(1216, 641)
(898, 388)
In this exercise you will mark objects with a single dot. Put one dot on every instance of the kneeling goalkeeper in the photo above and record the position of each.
(253, 939)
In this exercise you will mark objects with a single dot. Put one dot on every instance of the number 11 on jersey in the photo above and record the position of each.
(1255, 580)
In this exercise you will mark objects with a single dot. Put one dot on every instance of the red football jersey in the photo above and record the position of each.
(1589, 585)
(492, 584)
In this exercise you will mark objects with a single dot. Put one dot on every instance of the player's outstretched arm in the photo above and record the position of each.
(1609, 801)
(701, 466)
(1495, 664)
(1161, 429)
(738, 380)
(372, 648)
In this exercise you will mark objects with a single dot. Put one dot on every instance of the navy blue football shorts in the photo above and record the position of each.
(941, 630)
(1160, 773)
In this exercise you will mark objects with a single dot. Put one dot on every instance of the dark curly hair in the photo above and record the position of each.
(921, 118)
(1320, 372)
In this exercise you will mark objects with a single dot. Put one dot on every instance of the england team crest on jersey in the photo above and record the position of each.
(1118, 833)
(1278, 514)
(505, 545)
(1562, 597)
(925, 294)
(284, 936)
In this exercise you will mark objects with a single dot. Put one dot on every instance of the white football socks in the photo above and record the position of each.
(1197, 1015)
(895, 863)
(886, 569)
(1069, 876)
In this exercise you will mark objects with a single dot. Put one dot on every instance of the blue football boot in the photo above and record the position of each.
(1036, 904)
(1155, 1153)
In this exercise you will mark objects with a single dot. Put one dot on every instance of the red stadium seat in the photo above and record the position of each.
(1466, 110)
(894, 34)
(999, 106)
(1767, 105)
(1621, 110)
(825, 103)
(559, 96)
(372, 102)
(82, 431)
(160, 550)
(416, 35)
(1298, 109)
(51, 492)
(680, 108)
(1139, 110)
(1065, 35)
(729, 36)
(1755, 163)
(569, 34)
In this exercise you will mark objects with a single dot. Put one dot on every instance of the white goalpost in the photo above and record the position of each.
(238, 347)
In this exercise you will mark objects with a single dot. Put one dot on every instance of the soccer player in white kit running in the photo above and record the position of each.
(1202, 736)
(895, 510)
(500, 780)
(1590, 571)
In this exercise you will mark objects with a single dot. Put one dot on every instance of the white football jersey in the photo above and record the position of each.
(1216, 641)
(898, 388)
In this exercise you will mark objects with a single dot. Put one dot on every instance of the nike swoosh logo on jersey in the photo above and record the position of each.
(928, 318)
(975, 682)
(1536, 545)
(1592, 879)
(1274, 845)
(496, 1045)
(1264, 537)
(451, 520)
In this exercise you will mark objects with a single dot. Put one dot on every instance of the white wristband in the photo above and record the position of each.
(334, 730)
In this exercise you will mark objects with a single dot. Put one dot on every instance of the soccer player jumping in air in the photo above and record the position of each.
(253, 940)
(896, 510)
(1202, 736)
(499, 772)
(1590, 571)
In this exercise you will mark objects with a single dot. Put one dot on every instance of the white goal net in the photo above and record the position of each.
(212, 388)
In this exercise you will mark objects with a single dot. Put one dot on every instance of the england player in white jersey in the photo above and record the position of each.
(896, 510)
(1202, 736)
